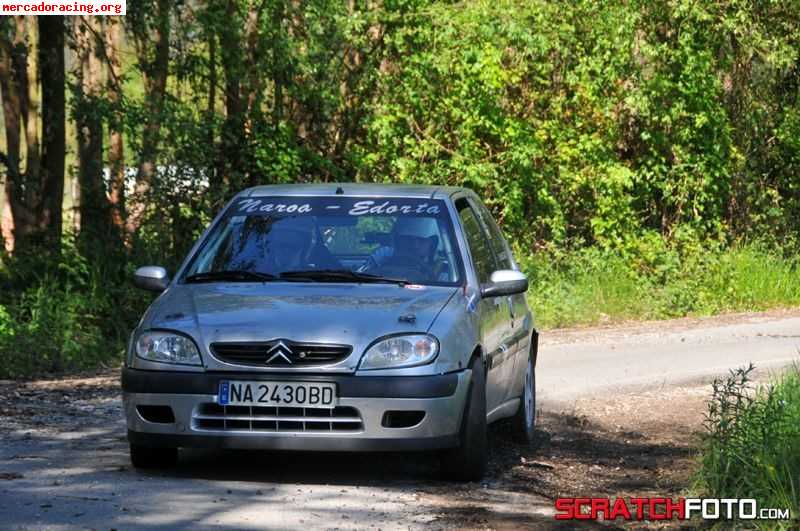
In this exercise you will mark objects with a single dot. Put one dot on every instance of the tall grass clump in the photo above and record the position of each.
(653, 279)
(751, 446)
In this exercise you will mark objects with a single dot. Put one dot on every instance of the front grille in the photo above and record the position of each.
(280, 353)
(214, 417)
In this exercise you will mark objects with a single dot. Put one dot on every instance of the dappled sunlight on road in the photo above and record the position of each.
(76, 472)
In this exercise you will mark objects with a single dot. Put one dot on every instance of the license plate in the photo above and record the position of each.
(285, 394)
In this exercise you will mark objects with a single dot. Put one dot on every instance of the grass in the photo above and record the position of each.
(752, 444)
(592, 286)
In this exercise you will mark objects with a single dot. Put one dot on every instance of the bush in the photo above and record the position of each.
(61, 313)
(751, 447)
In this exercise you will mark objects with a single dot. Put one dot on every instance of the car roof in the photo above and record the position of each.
(354, 189)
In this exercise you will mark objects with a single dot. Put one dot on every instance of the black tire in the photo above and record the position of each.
(147, 457)
(523, 423)
(467, 462)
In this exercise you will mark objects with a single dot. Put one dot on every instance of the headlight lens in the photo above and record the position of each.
(400, 351)
(165, 347)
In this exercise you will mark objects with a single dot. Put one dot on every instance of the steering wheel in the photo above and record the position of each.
(406, 266)
(370, 264)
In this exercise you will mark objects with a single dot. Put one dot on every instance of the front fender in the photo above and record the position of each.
(456, 326)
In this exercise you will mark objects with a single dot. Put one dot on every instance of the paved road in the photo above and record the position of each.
(575, 363)
(63, 456)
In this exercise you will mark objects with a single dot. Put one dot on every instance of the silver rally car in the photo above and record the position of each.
(336, 317)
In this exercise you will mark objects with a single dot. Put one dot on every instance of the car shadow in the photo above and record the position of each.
(338, 468)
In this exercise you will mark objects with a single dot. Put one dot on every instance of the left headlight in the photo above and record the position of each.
(400, 351)
(166, 347)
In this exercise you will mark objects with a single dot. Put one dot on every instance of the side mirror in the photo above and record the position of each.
(505, 282)
(151, 278)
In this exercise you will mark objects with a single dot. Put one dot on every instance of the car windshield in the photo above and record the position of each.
(330, 239)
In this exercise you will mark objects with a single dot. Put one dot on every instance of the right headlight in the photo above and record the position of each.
(167, 347)
(400, 351)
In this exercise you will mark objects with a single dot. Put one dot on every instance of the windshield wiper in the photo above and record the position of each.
(341, 275)
(231, 275)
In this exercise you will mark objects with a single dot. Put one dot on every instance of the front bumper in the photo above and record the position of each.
(441, 398)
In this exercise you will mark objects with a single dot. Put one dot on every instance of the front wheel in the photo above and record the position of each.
(467, 462)
(524, 422)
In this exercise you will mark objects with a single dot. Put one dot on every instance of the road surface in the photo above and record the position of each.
(575, 363)
(64, 463)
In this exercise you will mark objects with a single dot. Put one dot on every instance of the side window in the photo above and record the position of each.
(495, 237)
(476, 239)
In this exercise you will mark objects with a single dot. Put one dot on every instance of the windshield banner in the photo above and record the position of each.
(333, 206)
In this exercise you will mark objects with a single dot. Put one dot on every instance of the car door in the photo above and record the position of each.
(493, 313)
(518, 306)
(516, 303)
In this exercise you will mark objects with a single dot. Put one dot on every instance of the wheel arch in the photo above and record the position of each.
(479, 353)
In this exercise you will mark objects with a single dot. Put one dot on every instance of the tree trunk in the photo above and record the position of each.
(93, 204)
(216, 176)
(212, 83)
(31, 116)
(6, 220)
(116, 146)
(34, 194)
(51, 72)
(253, 52)
(14, 84)
(11, 118)
(232, 64)
(11, 99)
(155, 83)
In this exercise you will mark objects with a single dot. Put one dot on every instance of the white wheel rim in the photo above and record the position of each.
(529, 395)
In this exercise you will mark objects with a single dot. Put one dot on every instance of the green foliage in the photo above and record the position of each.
(655, 279)
(580, 123)
(60, 312)
(751, 447)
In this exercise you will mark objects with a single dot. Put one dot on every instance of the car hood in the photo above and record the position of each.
(351, 314)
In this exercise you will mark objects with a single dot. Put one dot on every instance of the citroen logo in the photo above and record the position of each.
(279, 350)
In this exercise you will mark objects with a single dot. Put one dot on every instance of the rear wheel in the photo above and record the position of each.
(524, 422)
(148, 457)
(467, 462)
